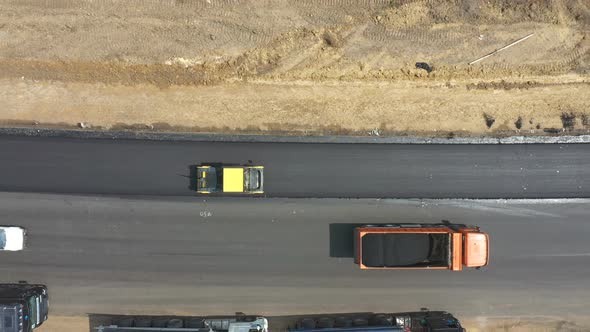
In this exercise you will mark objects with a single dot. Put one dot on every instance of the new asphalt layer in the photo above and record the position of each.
(137, 167)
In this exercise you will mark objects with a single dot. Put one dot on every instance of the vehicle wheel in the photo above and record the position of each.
(373, 320)
(125, 322)
(196, 323)
(360, 322)
(143, 322)
(159, 322)
(307, 323)
(325, 323)
(369, 226)
(174, 323)
(380, 320)
(343, 322)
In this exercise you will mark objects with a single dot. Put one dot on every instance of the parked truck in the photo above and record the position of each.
(228, 179)
(236, 323)
(23, 307)
(417, 321)
(443, 246)
(12, 238)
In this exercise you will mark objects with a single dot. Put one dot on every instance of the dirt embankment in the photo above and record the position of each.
(297, 67)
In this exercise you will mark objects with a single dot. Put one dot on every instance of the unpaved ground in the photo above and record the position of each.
(297, 67)
(526, 324)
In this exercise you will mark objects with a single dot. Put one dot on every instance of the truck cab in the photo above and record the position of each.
(23, 307)
(12, 238)
(212, 179)
(420, 246)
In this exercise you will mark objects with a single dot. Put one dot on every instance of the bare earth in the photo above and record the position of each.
(297, 67)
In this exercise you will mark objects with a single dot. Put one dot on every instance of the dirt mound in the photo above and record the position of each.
(110, 42)
(403, 14)
(300, 66)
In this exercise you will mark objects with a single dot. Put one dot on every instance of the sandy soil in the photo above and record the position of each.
(297, 67)
(526, 324)
(65, 324)
(481, 324)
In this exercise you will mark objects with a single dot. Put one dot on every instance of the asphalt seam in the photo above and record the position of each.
(194, 137)
(203, 199)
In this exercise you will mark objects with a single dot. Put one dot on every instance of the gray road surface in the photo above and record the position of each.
(299, 170)
(274, 256)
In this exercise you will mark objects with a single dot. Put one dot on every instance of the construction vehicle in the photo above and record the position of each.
(237, 323)
(23, 307)
(242, 179)
(12, 238)
(443, 246)
(418, 321)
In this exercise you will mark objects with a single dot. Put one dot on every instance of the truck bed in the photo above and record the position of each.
(387, 250)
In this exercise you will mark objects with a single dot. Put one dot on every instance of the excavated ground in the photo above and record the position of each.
(297, 67)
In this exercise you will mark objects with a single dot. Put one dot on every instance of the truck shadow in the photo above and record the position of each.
(342, 240)
(192, 177)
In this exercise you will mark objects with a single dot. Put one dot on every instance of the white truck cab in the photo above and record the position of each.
(12, 238)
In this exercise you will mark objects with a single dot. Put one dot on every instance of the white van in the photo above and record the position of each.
(12, 238)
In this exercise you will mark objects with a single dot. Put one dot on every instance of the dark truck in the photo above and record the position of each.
(417, 321)
(23, 307)
(141, 323)
(441, 246)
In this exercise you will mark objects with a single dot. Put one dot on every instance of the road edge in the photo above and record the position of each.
(194, 137)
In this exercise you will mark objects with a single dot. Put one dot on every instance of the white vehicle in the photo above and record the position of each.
(12, 238)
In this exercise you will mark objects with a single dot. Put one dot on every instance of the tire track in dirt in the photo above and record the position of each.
(223, 33)
(333, 12)
(424, 36)
(160, 75)
(201, 4)
(198, 4)
(361, 4)
(570, 62)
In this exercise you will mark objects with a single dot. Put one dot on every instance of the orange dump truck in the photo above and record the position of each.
(420, 246)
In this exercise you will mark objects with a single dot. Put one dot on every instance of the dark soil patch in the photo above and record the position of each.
(552, 130)
(518, 123)
(425, 66)
(132, 127)
(568, 120)
(489, 120)
(27, 123)
(503, 85)
(332, 39)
